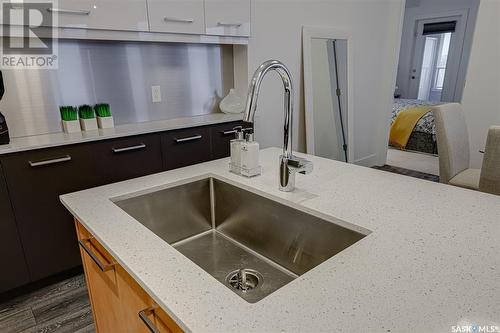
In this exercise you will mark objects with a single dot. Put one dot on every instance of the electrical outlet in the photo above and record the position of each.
(156, 94)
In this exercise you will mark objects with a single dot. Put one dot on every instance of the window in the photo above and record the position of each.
(434, 64)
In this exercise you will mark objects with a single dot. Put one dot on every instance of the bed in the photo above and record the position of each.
(423, 137)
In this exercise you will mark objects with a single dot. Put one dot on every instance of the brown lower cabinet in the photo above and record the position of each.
(126, 158)
(186, 147)
(119, 304)
(221, 135)
(14, 268)
(35, 180)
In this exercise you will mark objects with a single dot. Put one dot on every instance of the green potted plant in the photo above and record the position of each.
(87, 118)
(69, 119)
(104, 117)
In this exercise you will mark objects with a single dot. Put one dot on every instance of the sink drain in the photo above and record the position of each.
(244, 279)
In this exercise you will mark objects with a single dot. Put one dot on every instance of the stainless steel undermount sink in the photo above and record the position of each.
(251, 244)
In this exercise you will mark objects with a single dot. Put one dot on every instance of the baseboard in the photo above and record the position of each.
(367, 161)
(25, 289)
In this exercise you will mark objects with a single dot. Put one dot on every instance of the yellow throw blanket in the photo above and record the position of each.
(404, 124)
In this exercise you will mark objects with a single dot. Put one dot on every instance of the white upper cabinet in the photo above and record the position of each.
(127, 15)
(227, 17)
(224, 18)
(179, 16)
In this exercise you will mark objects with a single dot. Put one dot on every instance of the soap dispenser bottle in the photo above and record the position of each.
(235, 147)
(250, 156)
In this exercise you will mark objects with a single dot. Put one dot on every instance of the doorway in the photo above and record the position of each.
(438, 46)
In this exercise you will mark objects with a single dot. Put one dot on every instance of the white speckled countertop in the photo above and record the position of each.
(432, 260)
(60, 139)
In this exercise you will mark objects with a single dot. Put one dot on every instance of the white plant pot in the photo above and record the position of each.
(105, 122)
(88, 124)
(72, 126)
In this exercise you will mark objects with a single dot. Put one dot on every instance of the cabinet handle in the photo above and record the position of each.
(69, 11)
(121, 150)
(102, 267)
(144, 317)
(180, 20)
(227, 132)
(189, 138)
(229, 24)
(61, 159)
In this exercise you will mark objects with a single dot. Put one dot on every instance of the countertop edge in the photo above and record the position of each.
(50, 140)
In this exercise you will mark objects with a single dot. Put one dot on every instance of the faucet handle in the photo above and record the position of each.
(300, 165)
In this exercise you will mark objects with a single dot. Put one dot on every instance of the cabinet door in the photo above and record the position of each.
(35, 180)
(102, 283)
(186, 147)
(14, 269)
(180, 16)
(227, 17)
(119, 304)
(221, 135)
(126, 158)
(129, 15)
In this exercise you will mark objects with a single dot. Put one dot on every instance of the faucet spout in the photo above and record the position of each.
(253, 95)
(289, 164)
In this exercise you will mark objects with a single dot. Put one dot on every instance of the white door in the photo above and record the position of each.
(436, 58)
(125, 15)
(180, 16)
(227, 17)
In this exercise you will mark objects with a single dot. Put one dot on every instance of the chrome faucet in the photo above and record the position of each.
(289, 164)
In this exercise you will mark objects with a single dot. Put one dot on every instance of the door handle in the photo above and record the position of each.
(69, 11)
(121, 150)
(144, 317)
(61, 159)
(227, 132)
(189, 138)
(180, 20)
(103, 267)
(229, 24)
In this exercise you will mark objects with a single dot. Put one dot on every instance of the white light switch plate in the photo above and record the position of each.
(156, 94)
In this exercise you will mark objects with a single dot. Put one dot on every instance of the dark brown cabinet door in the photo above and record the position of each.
(127, 158)
(14, 269)
(221, 135)
(35, 180)
(186, 147)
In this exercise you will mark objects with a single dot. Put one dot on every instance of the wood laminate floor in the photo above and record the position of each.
(63, 307)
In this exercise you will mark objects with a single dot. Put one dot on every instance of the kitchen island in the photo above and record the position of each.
(430, 261)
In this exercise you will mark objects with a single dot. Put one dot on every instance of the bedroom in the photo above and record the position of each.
(434, 54)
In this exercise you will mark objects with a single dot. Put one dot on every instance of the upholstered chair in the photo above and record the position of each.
(453, 147)
(490, 171)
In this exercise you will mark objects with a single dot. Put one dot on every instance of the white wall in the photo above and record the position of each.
(375, 27)
(417, 9)
(481, 99)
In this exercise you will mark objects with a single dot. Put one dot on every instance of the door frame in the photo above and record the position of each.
(457, 45)
(309, 32)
